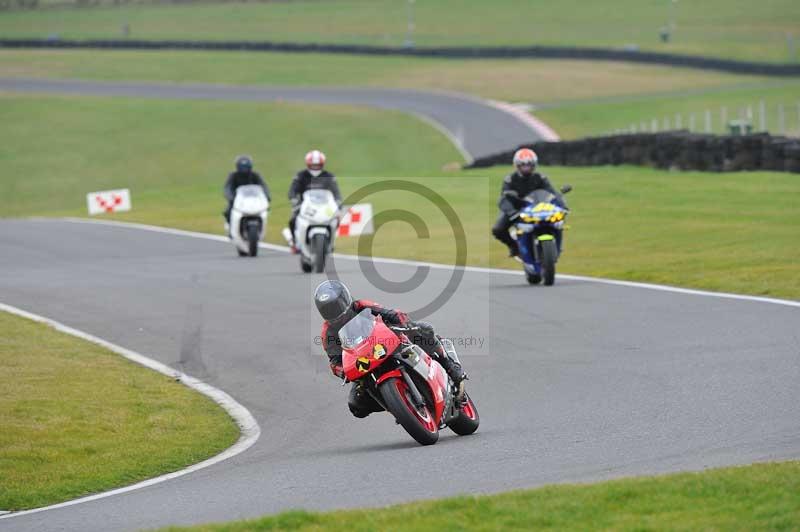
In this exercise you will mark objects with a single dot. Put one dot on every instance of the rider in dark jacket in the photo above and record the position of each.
(314, 176)
(518, 184)
(337, 307)
(244, 175)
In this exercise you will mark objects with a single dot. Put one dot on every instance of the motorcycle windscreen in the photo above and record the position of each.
(540, 195)
(250, 199)
(318, 196)
(357, 330)
(366, 342)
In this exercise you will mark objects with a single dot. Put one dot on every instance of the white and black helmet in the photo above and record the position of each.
(315, 162)
(333, 300)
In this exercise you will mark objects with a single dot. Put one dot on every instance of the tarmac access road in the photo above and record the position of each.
(476, 127)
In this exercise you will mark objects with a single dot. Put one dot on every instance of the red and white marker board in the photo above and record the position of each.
(357, 220)
(107, 201)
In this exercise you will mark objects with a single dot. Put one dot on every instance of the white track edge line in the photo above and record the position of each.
(539, 127)
(434, 265)
(250, 431)
(451, 135)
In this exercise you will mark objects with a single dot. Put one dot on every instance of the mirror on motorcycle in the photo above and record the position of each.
(566, 188)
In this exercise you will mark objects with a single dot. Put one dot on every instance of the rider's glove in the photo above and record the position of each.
(337, 370)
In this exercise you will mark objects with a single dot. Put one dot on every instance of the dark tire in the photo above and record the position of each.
(252, 239)
(533, 278)
(420, 424)
(468, 419)
(318, 249)
(549, 255)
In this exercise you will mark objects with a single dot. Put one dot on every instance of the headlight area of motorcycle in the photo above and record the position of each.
(309, 211)
(410, 355)
(525, 228)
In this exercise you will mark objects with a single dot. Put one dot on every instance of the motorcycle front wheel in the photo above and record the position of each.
(468, 419)
(318, 249)
(549, 254)
(252, 239)
(418, 421)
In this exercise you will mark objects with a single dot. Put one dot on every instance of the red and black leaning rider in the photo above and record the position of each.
(337, 307)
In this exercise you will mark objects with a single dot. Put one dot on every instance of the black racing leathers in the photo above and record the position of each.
(238, 179)
(515, 187)
(305, 181)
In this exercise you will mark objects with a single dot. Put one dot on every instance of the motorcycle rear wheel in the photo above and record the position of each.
(418, 422)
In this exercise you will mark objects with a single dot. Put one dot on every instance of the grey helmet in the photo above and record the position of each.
(333, 300)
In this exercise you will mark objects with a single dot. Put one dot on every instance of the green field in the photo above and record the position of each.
(533, 81)
(175, 156)
(69, 406)
(728, 28)
(591, 117)
(681, 228)
(756, 497)
(579, 98)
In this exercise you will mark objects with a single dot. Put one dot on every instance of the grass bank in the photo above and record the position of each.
(756, 497)
(78, 419)
(175, 156)
(533, 81)
(726, 28)
(682, 111)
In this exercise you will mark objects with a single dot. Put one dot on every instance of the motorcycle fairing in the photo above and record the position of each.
(371, 351)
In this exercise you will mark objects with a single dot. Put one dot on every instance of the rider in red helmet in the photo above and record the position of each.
(313, 176)
(518, 184)
(337, 307)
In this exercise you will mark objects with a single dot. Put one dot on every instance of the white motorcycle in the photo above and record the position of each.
(315, 229)
(248, 219)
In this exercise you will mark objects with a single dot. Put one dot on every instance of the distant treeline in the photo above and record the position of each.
(679, 150)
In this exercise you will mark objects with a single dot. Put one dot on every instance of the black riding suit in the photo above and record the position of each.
(515, 187)
(361, 404)
(305, 181)
(236, 180)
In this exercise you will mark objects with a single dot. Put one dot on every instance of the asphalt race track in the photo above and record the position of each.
(475, 127)
(579, 382)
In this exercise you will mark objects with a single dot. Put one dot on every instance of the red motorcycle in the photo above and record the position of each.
(403, 379)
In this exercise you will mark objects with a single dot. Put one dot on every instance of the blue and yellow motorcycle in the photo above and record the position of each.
(539, 228)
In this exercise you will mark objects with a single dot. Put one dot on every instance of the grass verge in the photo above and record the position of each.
(755, 497)
(536, 81)
(676, 111)
(175, 156)
(78, 419)
(726, 232)
(727, 28)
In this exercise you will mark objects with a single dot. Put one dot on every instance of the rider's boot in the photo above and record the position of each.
(454, 371)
